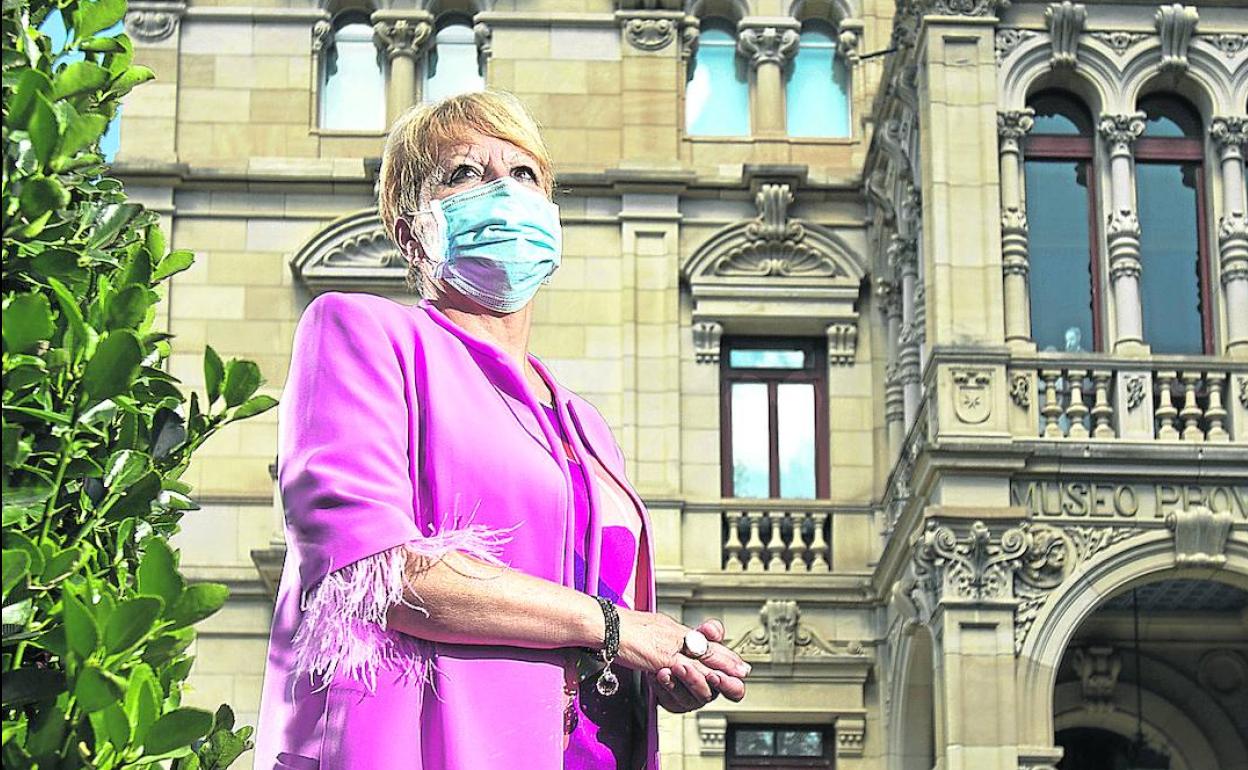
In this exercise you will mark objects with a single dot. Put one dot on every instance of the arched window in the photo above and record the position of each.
(1174, 277)
(353, 95)
(453, 66)
(717, 98)
(816, 92)
(1061, 218)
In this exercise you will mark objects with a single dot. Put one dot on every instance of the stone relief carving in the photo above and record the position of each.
(322, 36)
(781, 637)
(690, 28)
(1175, 25)
(1119, 40)
(706, 341)
(1200, 536)
(1121, 131)
(353, 251)
(1135, 391)
(776, 245)
(851, 733)
(1013, 125)
(1066, 20)
(1230, 45)
(1097, 666)
(842, 339)
(483, 36)
(972, 394)
(1243, 392)
(401, 37)
(767, 45)
(1020, 389)
(1009, 38)
(712, 732)
(650, 34)
(151, 22)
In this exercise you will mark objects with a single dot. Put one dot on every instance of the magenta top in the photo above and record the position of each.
(400, 432)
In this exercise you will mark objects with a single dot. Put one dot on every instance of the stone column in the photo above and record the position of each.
(903, 256)
(401, 37)
(768, 43)
(1011, 128)
(1230, 135)
(1123, 233)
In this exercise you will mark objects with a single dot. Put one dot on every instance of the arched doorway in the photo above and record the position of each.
(913, 733)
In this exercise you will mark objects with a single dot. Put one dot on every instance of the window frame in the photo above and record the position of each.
(342, 19)
(734, 762)
(728, 25)
(448, 19)
(833, 30)
(1079, 149)
(815, 372)
(1188, 149)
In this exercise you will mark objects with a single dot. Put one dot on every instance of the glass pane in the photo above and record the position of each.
(799, 743)
(816, 94)
(767, 359)
(1170, 277)
(453, 66)
(1060, 280)
(795, 421)
(755, 743)
(1059, 114)
(717, 98)
(751, 440)
(353, 98)
(1169, 116)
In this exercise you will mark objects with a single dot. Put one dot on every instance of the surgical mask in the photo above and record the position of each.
(496, 243)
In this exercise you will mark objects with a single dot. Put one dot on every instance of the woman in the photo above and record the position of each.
(469, 582)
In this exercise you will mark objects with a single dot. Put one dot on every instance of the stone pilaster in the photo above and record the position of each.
(1230, 135)
(402, 38)
(1012, 126)
(1123, 232)
(903, 257)
(768, 43)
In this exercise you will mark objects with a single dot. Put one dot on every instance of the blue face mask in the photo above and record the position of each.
(496, 243)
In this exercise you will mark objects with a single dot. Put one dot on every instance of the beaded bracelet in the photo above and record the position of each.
(608, 683)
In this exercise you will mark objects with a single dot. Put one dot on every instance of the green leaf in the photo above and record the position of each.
(124, 468)
(42, 195)
(127, 308)
(168, 434)
(59, 565)
(138, 498)
(110, 724)
(81, 335)
(111, 221)
(44, 129)
(139, 268)
(158, 574)
(174, 263)
(176, 729)
(131, 621)
(113, 367)
(27, 320)
(91, 17)
(77, 78)
(154, 242)
(198, 602)
(254, 406)
(214, 373)
(30, 84)
(31, 685)
(129, 78)
(48, 733)
(82, 132)
(16, 566)
(95, 690)
(224, 719)
(142, 700)
(242, 379)
(81, 631)
(19, 541)
(101, 45)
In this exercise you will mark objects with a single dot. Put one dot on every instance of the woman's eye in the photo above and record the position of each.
(462, 173)
(525, 173)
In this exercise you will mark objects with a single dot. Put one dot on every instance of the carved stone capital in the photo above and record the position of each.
(770, 44)
(1175, 25)
(152, 22)
(1230, 135)
(690, 28)
(973, 565)
(483, 36)
(903, 255)
(1066, 20)
(1200, 536)
(402, 37)
(1012, 126)
(706, 341)
(1120, 131)
(650, 32)
(322, 36)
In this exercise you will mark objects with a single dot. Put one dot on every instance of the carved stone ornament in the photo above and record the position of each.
(782, 638)
(1020, 389)
(955, 7)
(1243, 392)
(1120, 40)
(1233, 246)
(1013, 125)
(1123, 236)
(322, 36)
(1121, 131)
(151, 22)
(1175, 25)
(767, 44)
(1009, 38)
(402, 37)
(972, 394)
(842, 340)
(851, 734)
(353, 252)
(1097, 666)
(1066, 20)
(650, 5)
(706, 341)
(483, 36)
(1135, 391)
(650, 34)
(1229, 44)
(1200, 536)
(690, 28)
(1229, 135)
(712, 733)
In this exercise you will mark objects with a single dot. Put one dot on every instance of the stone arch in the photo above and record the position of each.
(1140, 559)
(912, 732)
(836, 11)
(733, 10)
(1095, 78)
(1200, 84)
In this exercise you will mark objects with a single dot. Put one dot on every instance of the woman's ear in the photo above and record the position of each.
(408, 243)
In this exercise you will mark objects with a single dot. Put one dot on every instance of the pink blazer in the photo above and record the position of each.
(400, 431)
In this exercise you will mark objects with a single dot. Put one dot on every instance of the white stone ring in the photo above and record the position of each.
(696, 645)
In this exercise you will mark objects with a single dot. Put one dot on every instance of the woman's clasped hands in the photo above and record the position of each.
(654, 644)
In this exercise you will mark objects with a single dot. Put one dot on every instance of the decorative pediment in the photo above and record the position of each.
(777, 274)
(353, 252)
(782, 638)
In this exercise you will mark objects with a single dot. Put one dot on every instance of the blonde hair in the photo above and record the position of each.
(421, 135)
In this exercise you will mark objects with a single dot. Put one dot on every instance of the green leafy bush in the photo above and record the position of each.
(96, 434)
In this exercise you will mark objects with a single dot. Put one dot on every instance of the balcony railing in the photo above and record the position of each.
(1098, 397)
(772, 536)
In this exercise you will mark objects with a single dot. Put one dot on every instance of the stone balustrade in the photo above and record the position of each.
(773, 536)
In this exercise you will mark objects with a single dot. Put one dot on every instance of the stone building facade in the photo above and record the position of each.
(944, 410)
